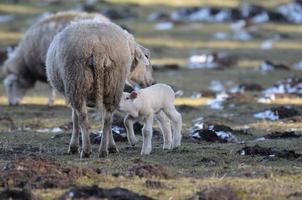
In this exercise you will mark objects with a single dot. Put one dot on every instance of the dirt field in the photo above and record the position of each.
(34, 163)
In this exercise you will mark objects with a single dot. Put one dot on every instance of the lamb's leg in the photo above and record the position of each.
(176, 120)
(83, 122)
(74, 141)
(147, 136)
(165, 128)
(128, 122)
(103, 150)
(51, 96)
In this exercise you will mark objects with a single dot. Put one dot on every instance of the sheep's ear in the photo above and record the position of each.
(139, 55)
(133, 95)
(145, 60)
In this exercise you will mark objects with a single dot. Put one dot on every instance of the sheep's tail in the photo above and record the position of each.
(98, 67)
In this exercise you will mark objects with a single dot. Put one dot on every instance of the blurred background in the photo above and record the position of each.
(186, 34)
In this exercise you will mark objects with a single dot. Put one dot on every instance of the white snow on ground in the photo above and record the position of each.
(217, 103)
(201, 61)
(298, 65)
(164, 26)
(268, 114)
(6, 18)
(292, 11)
(53, 130)
(216, 86)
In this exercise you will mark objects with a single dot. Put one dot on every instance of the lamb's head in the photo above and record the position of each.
(129, 103)
(141, 69)
(15, 88)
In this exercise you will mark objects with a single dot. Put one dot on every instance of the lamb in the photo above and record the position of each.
(89, 61)
(154, 102)
(26, 65)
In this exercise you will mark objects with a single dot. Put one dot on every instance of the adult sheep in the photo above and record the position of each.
(90, 61)
(26, 65)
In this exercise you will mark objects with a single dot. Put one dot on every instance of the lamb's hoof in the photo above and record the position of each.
(167, 147)
(103, 154)
(85, 154)
(73, 150)
(113, 150)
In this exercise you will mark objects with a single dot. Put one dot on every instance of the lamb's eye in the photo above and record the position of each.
(127, 98)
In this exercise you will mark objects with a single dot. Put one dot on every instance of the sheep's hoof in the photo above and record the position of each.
(133, 142)
(145, 153)
(85, 154)
(103, 154)
(73, 150)
(113, 150)
(175, 146)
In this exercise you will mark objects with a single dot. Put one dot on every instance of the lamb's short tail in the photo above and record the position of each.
(178, 93)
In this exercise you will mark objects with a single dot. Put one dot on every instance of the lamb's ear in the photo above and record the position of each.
(133, 95)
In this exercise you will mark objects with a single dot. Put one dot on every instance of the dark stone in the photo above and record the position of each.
(23, 194)
(285, 111)
(87, 192)
(253, 87)
(282, 135)
(262, 151)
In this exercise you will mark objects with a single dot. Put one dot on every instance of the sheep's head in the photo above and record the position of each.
(141, 69)
(128, 103)
(15, 88)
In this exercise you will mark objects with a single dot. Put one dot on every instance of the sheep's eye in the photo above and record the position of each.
(127, 98)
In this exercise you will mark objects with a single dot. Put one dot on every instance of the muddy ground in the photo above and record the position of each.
(264, 163)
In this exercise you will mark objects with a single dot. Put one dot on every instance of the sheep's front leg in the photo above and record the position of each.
(74, 141)
(176, 120)
(165, 128)
(128, 122)
(51, 96)
(83, 122)
(103, 150)
(147, 136)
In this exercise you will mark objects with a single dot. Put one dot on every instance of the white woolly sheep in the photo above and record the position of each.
(89, 61)
(26, 65)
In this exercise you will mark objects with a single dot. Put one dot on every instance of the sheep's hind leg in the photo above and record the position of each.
(83, 122)
(103, 150)
(74, 141)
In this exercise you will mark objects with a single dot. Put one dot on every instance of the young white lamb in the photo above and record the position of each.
(154, 102)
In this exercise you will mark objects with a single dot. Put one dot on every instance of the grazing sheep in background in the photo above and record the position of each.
(26, 65)
(154, 102)
(90, 61)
